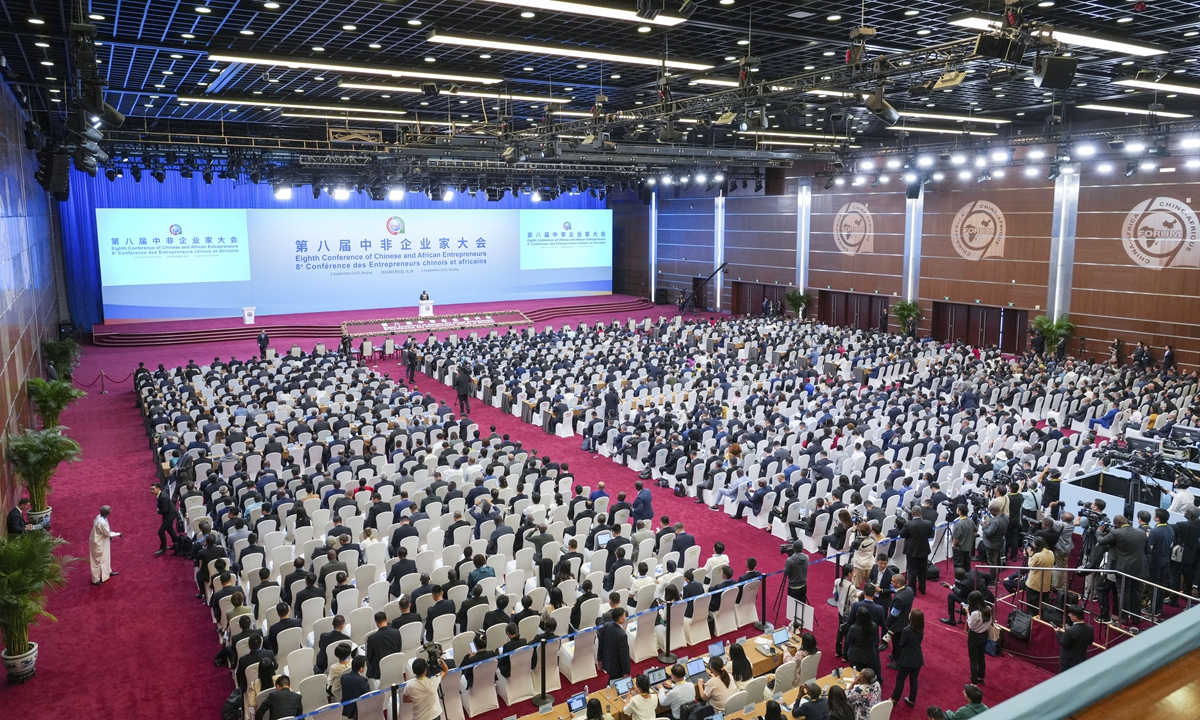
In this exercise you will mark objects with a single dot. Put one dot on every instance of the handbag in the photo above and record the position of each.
(1020, 624)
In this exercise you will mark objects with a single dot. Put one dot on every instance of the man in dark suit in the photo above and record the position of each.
(334, 636)
(1126, 546)
(691, 589)
(917, 533)
(256, 654)
(683, 541)
(499, 616)
(714, 604)
(285, 621)
(1074, 639)
(263, 341)
(354, 686)
(441, 606)
(902, 602)
(381, 643)
(1187, 536)
(406, 615)
(332, 567)
(755, 501)
(642, 503)
(576, 609)
(309, 592)
(514, 642)
(612, 646)
(283, 703)
(476, 598)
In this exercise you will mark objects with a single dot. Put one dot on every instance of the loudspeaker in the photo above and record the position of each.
(58, 176)
(913, 190)
(999, 47)
(1054, 71)
(881, 108)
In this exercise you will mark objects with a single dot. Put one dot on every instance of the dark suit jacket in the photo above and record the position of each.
(380, 644)
(281, 703)
(612, 650)
(683, 541)
(445, 606)
(1074, 643)
(272, 643)
(354, 686)
(332, 637)
(908, 649)
(917, 533)
(250, 658)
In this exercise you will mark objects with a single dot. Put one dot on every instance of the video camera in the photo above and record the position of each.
(1094, 517)
(433, 653)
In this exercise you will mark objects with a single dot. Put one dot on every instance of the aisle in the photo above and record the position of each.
(945, 647)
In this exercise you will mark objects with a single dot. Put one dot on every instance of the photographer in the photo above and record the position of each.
(995, 530)
(795, 568)
(422, 689)
(1126, 546)
(1037, 584)
(1059, 538)
(962, 538)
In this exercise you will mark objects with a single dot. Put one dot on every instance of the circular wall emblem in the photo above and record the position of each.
(978, 230)
(854, 229)
(395, 225)
(175, 230)
(566, 226)
(1162, 232)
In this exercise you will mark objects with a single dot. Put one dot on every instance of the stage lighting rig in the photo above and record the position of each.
(858, 44)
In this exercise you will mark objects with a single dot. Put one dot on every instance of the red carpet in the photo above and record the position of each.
(140, 647)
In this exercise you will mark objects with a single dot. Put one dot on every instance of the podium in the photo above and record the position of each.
(248, 315)
(425, 308)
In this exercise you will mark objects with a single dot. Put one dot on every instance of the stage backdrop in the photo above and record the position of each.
(182, 249)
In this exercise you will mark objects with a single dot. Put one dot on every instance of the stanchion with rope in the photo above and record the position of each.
(102, 378)
(666, 657)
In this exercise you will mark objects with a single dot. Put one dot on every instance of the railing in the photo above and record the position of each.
(371, 705)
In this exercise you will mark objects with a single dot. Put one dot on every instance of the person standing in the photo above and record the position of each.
(462, 386)
(166, 511)
(979, 623)
(909, 658)
(917, 533)
(100, 547)
(962, 537)
(263, 341)
(613, 646)
(410, 362)
(1074, 639)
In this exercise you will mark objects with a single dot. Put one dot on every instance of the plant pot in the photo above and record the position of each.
(20, 668)
(40, 518)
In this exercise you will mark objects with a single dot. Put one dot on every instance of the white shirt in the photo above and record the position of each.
(1183, 499)
(715, 562)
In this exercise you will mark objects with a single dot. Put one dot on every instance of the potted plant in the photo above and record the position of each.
(1054, 330)
(63, 355)
(51, 397)
(904, 312)
(29, 569)
(35, 456)
(798, 302)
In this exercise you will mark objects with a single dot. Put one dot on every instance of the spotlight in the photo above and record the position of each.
(984, 176)
(667, 180)
(1116, 143)
(1159, 148)
(1055, 171)
(701, 177)
(964, 174)
(881, 108)
(448, 194)
(958, 159)
(875, 181)
(283, 192)
(924, 161)
(255, 176)
(910, 177)
(719, 177)
(1104, 168)
(316, 191)
(111, 174)
(396, 194)
(185, 173)
(158, 174)
(1131, 168)
(341, 193)
(758, 186)
(208, 177)
(828, 183)
(136, 172)
(1031, 171)
(1134, 148)
(980, 160)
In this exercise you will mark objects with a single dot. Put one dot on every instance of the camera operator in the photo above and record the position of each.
(1037, 583)
(795, 568)
(1126, 546)
(422, 688)
(1182, 496)
(965, 582)
(1016, 501)
(995, 530)
(962, 538)
(1059, 537)
(1090, 518)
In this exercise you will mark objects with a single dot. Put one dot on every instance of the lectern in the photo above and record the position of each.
(425, 308)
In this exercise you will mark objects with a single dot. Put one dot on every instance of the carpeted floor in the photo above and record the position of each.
(140, 647)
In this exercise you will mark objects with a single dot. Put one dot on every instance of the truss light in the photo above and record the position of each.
(298, 106)
(716, 81)
(983, 22)
(1131, 111)
(1036, 154)
(893, 164)
(283, 192)
(1031, 171)
(801, 136)
(925, 161)
(1131, 168)
(953, 118)
(455, 91)
(867, 165)
(1135, 147)
(332, 66)
(941, 131)
(579, 8)
(1193, 163)
(571, 51)
(360, 118)
(341, 193)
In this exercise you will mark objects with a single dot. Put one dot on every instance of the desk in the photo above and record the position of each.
(789, 698)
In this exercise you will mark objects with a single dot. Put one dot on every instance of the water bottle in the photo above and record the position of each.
(585, 691)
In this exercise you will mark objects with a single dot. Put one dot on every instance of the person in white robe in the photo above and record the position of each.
(100, 547)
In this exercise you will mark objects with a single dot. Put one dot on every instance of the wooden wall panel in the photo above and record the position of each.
(760, 242)
(1019, 276)
(685, 243)
(876, 272)
(1114, 295)
(631, 247)
(28, 297)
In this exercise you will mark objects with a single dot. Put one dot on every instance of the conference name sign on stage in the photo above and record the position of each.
(158, 264)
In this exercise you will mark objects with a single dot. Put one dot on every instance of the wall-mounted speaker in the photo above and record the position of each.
(1054, 71)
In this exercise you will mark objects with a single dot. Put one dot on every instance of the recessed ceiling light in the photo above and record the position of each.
(55, 100)
(167, 72)
(743, 42)
(424, 103)
(345, 97)
(36, 21)
(385, 97)
(485, 56)
(923, 32)
(527, 69)
(299, 90)
(1191, 33)
(202, 84)
(176, 56)
(55, 90)
(568, 89)
(730, 58)
(41, 44)
(414, 23)
(911, 13)
(258, 92)
(149, 105)
(214, 69)
(319, 78)
(375, 46)
(834, 18)
(349, 28)
(527, 14)
(464, 102)
(726, 2)
(581, 66)
(615, 76)
(47, 63)
(94, 16)
(644, 29)
(828, 53)
(810, 67)
(318, 48)
(430, 59)
(188, 36)
(1046, 3)
(1125, 20)
(203, 10)
(271, 5)
(247, 32)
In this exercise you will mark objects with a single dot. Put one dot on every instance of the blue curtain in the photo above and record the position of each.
(81, 252)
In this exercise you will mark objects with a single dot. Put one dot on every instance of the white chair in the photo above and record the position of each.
(881, 711)
(518, 686)
(577, 660)
(755, 689)
(300, 663)
(553, 677)
(289, 640)
(737, 701)
(392, 669)
(746, 610)
(443, 628)
(725, 618)
(809, 668)
(642, 645)
(695, 628)
(312, 691)
(678, 634)
(481, 697)
(784, 675)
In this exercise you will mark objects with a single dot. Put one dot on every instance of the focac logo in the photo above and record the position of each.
(395, 225)
(854, 229)
(566, 226)
(978, 231)
(175, 230)
(1162, 232)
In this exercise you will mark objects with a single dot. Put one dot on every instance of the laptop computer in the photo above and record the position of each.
(696, 669)
(657, 676)
(780, 637)
(623, 686)
(602, 539)
(716, 649)
(577, 704)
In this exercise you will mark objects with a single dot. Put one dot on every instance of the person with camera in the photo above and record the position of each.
(422, 687)
(995, 530)
(795, 569)
(1074, 638)
(1037, 583)
(1126, 548)
(962, 538)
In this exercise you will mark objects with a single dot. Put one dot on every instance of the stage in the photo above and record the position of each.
(327, 326)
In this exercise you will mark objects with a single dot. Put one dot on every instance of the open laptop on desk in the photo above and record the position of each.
(716, 650)
(623, 686)
(780, 637)
(656, 676)
(697, 670)
(577, 704)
